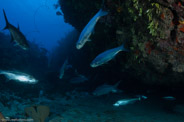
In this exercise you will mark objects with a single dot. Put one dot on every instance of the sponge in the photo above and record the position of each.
(38, 112)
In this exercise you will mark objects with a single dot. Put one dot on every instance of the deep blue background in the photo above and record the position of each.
(37, 20)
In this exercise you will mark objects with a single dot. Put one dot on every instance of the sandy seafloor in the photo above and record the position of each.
(82, 107)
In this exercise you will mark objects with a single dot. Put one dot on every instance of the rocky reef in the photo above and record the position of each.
(152, 29)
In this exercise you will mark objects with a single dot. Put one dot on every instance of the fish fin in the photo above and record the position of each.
(102, 12)
(7, 23)
(123, 48)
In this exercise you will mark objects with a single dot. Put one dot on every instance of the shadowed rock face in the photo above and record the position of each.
(152, 29)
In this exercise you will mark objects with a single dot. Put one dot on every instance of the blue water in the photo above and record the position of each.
(37, 20)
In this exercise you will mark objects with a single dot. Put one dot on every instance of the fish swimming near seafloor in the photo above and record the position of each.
(89, 28)
(106, 89)
(16, 35)
(107, 56)
(62, 70)
(128, 101)
(19, 76)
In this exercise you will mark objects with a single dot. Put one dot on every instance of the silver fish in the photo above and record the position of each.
(107, 56)
(62, 70)
(169, 98)
(128, 101)
(19, 76)
(89, 28)
(16, 34)
(78, 79)
(106, 89)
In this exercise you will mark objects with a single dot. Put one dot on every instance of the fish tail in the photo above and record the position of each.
(102, 12)
(7, 23)
(122, 48)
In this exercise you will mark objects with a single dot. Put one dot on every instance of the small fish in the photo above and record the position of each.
(62, 70)
(58, 13)
(78, 79)
(16, 34)
(107, 56)
(89, 28)
(169, 98)
(106, 89)
(128, 101)
(19, 76)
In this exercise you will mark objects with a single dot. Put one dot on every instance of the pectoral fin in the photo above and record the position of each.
(6, 27)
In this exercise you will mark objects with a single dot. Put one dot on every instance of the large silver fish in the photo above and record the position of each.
(106, 89)
(89, 28)
(16, 34)
(19, 76)
(107, 56)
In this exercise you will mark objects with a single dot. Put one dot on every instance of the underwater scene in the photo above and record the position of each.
(91, 60)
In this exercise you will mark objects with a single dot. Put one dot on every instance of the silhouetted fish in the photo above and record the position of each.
(78, 79)
(62, 70)
(16, 34)
(106, 89)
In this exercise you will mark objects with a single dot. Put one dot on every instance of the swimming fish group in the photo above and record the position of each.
(85, 36)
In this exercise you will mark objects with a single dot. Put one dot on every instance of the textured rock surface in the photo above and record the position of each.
(152, 29)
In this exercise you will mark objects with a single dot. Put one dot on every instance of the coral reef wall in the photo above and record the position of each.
(152, 29)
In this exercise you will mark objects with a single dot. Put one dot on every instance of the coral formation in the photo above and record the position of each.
(38, 112)
(2, 119)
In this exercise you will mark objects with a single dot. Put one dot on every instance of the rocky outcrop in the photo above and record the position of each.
(152, 29)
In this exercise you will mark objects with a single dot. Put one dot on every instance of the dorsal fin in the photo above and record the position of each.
(7, 23)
